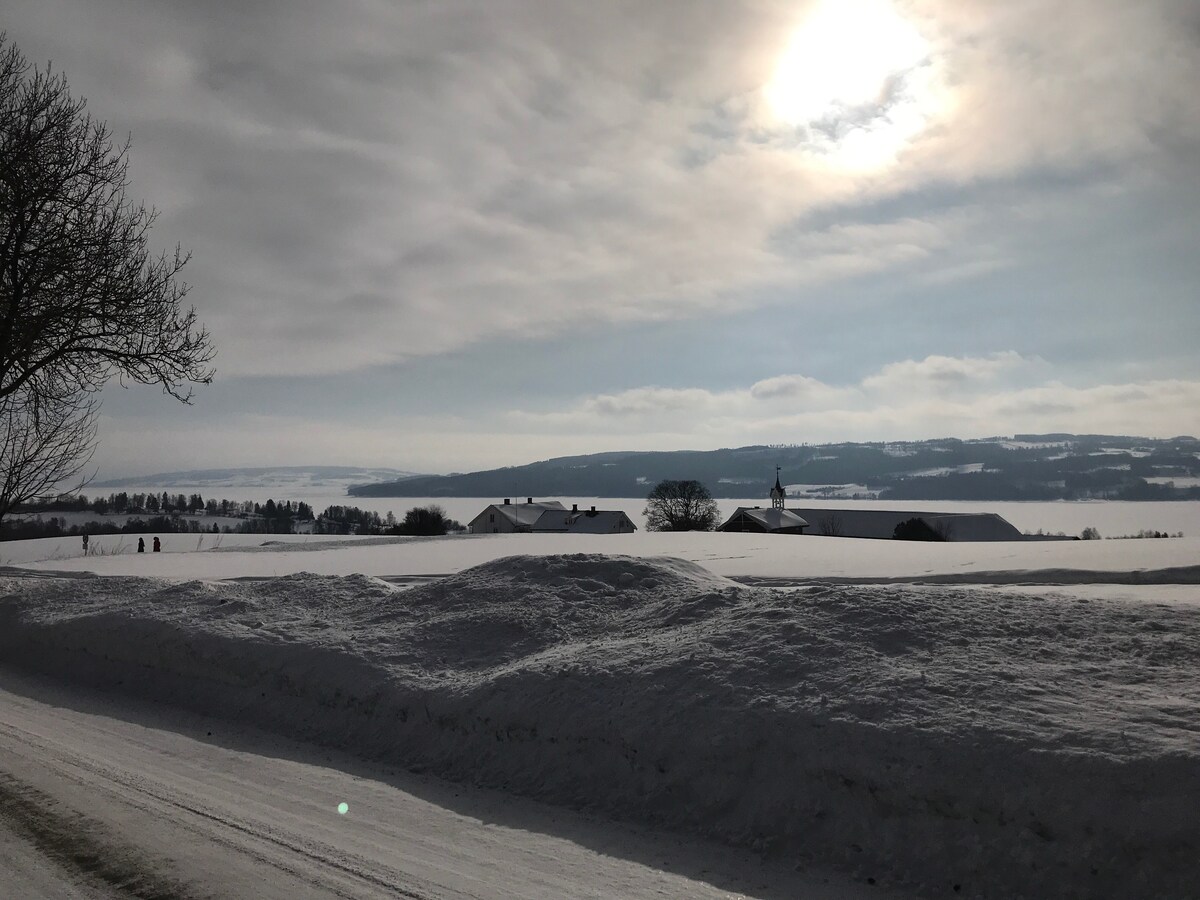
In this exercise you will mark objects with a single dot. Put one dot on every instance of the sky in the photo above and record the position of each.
(446, 236)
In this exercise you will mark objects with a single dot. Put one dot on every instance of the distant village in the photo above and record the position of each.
(151, 513)
(551, 516)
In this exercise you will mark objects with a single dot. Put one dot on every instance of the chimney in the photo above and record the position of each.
(528, 499)
(506, 501)
(574, 507)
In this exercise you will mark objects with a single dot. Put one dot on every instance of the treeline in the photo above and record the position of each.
(184, 514)
(1106, 484)
(27, 529)
(418, 521)
(125, 503)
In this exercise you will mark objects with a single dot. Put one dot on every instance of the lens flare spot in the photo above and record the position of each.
(343, 808)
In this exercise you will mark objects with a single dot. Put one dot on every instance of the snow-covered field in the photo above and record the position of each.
(946, 739)
(784, 558)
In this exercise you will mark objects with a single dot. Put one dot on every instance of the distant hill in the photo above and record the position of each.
(1027, 467)
(291, 478)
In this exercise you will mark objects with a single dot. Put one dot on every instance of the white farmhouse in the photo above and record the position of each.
(588, 521)
(547, 518)
(509, 517)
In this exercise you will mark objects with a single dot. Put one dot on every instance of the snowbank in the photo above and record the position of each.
(975, 743)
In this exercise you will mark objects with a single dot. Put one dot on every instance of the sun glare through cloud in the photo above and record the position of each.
(857, 83)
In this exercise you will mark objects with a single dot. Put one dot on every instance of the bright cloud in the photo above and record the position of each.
(910, 399)
(366, 183)
(936, 373)
(998, 394)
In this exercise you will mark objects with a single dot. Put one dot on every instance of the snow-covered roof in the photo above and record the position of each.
(881, 523)
(770, 519)
(602, 521)
(599, 521)
(525, 513)
(553, 520)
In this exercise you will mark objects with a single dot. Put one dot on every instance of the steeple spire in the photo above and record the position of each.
(778, 494)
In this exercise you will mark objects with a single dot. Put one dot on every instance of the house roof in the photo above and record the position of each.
(881, 523)
(522, 514)
(600, 521)
(770, 519)
(553, 520)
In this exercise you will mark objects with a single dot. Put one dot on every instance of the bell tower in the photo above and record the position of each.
(778, 494)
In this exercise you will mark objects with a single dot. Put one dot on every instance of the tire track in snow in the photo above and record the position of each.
(82, 847)
(158, 801)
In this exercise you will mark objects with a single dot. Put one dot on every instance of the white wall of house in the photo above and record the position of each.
(491, 521)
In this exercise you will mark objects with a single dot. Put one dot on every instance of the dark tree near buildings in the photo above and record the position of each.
(681, 506)
(916, 529)
(427, 520)
(83, 298)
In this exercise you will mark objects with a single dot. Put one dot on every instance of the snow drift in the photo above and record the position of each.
(975, 744)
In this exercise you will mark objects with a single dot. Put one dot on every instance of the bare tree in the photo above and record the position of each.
(831, 525)
(82, 296)
(43, 443)
(681, 506)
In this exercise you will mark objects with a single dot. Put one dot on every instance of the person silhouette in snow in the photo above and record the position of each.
(157, 545)
(141, 545)
(85, 540)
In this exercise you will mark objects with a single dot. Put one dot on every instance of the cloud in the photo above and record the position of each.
(789, 387)
(909, 399)
(1094, 82)
(999, 394)
(936, 373)
(372, 182)
(652, 401)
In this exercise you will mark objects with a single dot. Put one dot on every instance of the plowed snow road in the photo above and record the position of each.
(104, 797)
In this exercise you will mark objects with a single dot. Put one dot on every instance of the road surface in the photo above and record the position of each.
(105, 797)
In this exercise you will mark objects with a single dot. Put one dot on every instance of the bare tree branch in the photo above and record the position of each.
(43, 444)
(81, 293)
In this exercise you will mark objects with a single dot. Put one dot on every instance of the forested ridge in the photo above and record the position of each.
(1024, 467)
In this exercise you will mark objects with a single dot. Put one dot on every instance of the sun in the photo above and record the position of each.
(857, 79)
